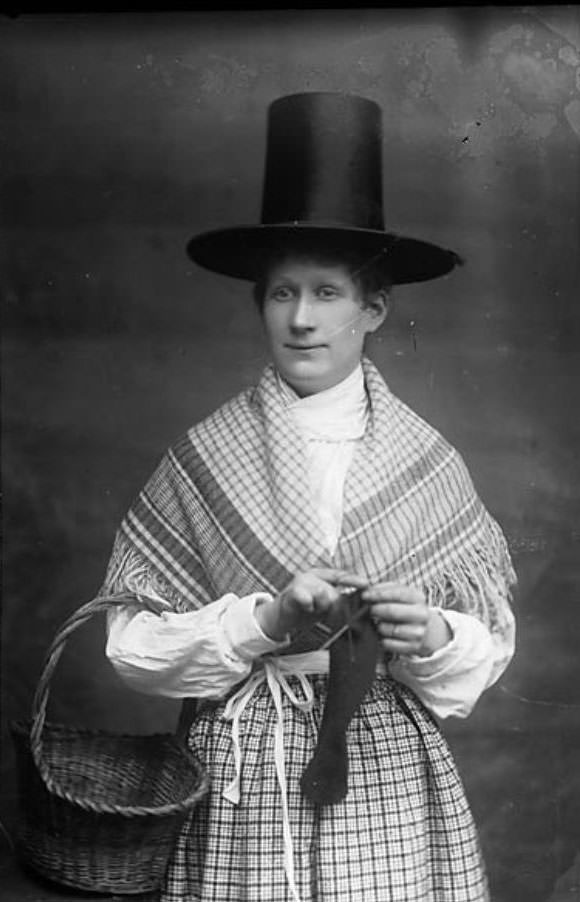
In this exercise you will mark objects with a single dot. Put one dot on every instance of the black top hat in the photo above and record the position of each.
(322, 184)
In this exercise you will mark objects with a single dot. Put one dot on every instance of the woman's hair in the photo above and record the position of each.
(369, 273)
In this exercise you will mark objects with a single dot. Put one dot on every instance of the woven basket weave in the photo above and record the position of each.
(100, 811)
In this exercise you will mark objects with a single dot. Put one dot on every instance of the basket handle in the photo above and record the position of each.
(78, 618)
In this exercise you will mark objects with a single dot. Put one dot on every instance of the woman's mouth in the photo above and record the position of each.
(303, 347)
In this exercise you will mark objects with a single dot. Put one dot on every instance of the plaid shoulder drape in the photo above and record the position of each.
(229, 510)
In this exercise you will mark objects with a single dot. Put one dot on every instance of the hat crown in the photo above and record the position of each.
(324, 161)
(323, 188)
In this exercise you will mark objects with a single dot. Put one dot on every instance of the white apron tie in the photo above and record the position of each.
(274, 671)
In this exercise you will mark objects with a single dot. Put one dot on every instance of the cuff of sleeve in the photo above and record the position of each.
(242, 630)
(450, 681)
(429, 665)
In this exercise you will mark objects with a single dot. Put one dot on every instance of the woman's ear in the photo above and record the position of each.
(377, 308)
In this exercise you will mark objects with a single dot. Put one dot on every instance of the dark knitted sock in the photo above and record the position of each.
(353, 659)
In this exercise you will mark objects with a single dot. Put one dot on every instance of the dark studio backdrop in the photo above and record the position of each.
(124, 135)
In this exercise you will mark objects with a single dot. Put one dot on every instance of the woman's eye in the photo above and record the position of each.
(327, 292)
(281, 294)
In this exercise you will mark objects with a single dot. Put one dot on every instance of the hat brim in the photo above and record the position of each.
(241, 251)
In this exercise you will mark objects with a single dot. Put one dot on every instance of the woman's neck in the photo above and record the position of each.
(336, 413)
(351, 384)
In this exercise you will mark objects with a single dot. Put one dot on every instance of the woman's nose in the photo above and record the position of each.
(302, 313)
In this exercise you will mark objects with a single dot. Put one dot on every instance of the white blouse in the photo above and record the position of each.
(205, 653)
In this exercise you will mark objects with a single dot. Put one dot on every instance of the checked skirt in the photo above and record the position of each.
(404, 833)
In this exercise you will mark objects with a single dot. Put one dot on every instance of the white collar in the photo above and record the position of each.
(335, 414)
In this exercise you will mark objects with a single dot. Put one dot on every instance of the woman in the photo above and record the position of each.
(261, 518)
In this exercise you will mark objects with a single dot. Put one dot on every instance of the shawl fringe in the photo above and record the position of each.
(129, 572)
(229, 510)
(480, 582)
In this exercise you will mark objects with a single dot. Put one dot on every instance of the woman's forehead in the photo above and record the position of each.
(305, 266)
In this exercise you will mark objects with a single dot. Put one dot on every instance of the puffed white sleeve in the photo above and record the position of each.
(202, 653)
(451, 680)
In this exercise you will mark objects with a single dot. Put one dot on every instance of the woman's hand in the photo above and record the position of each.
(404, 622)
(308, 597)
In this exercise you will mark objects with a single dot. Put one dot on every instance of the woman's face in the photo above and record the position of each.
(316, 321)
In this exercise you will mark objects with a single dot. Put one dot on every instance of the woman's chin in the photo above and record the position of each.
(306, 378)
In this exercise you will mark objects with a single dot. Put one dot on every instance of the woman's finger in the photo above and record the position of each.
(341, 578)
(394, 592)
(400, 646)
(401, 632)
(303, 597)
(396, 612)
(323, 591)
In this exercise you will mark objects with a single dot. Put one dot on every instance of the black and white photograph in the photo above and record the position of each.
(290, 455)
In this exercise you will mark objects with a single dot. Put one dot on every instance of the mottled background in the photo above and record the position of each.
(123, 135)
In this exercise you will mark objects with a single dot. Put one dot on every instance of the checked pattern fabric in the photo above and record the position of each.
(229, 510)
(404, 832)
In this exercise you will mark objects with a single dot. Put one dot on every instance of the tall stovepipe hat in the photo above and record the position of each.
(322, 188)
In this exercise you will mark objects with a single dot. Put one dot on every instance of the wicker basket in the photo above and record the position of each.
(100, 811)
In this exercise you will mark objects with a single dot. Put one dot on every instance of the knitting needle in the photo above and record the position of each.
(343, 629)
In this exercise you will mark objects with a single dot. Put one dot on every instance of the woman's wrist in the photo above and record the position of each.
(272, 620)
(437, 634)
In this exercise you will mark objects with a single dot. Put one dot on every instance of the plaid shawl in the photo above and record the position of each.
(229, 510)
